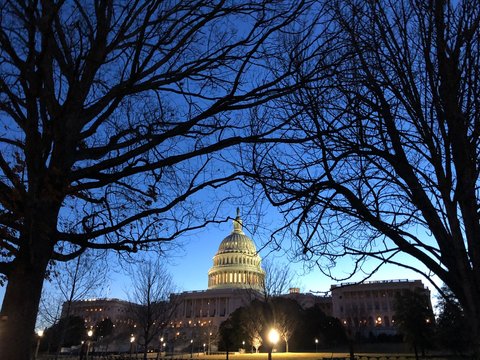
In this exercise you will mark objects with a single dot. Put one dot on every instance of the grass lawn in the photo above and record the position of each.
(261, 356)
(306, 356)
(277, 356)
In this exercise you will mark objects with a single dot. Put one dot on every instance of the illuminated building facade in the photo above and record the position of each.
(95, 310)
(234, 280)
(369, 308)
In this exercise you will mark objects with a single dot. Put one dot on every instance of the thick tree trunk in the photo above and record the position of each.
(25, 281)
(415, 349)
(20, 307)
(472, 316)
(468, 294)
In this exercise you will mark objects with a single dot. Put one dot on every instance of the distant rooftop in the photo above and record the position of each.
(376, 282)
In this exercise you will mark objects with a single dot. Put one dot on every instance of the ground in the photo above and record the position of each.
(263, 356)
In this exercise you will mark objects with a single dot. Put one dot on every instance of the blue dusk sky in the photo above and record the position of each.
(190, 261)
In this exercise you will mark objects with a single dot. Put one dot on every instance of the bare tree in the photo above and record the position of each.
(275, 311)
(381, 156)
(152, 307)
(278, 279)
(71, 281)
(286, 315)
(113, 113)
(256, 340)
(253, 321)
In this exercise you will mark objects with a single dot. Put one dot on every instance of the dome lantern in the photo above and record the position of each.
(237, 223)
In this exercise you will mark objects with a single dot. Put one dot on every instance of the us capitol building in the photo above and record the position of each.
(236, 278)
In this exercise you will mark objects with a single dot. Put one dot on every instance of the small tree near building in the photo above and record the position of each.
(452, 331)
(70, 281)
(286, 317)
(66, 332)
(256, 340)
(415, 319)
(151, 307)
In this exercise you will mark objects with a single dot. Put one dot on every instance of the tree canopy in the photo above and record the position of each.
(113, 114)
(380, 156)
(415, 320)
(297, 327)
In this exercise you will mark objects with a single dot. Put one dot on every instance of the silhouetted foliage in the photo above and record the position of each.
(452, 332)
(315, 324)
(73, 329)
(415, 320)
(230, 333)
(286, 314)
(304, 325)
(103, 329)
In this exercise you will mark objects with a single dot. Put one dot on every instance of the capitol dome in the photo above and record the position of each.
(236, 263)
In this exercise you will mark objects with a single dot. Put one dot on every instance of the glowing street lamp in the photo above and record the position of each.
(273, 337)
(39, 335)
(161, 347)
(204, 345)
(89, 334)
(209, 343)
(132, 340)
(316, 345)
(191, 348)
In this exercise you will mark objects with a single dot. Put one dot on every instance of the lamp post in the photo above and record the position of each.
(273, 337)
(132, 340)
(89, 334)
(191, 348)
(161, 347)
(39, 337)
(173, 342)
(209, 343)
(316, 345)
(204, 348)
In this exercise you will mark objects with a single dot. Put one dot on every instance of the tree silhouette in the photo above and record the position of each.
(381, 154)
(278, 280)
(415, 319)
(70, 281)
(113, 114)
(151, 307)
(69, 330)
(451, 327)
